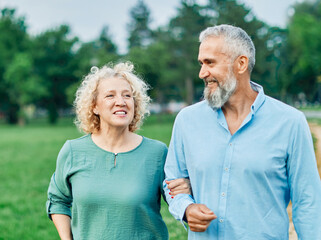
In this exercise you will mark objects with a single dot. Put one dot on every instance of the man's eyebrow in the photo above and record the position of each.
(206, 60)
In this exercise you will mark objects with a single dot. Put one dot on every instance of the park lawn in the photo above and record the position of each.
(28, 158)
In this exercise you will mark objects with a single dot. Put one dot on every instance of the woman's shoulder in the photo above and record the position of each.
(155, 149)
(81, 140)
(154, 145)
(80, 143)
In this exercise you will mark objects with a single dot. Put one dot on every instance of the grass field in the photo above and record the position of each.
(27, 161)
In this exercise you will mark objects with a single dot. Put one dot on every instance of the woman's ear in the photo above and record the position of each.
(95, 111)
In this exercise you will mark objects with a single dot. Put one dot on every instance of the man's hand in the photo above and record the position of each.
(180, 185)
(199, 217)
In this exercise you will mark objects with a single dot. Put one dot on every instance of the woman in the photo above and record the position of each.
(111, 177)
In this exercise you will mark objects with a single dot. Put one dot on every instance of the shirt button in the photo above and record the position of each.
(221, 220)
(223, 194)
(226, 169)
(230, 144)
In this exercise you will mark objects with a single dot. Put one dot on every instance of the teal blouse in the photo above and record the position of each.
(108, 195)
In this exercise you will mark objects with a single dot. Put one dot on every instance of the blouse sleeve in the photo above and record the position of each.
(59, 191)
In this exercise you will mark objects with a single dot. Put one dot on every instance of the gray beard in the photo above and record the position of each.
(222, 93)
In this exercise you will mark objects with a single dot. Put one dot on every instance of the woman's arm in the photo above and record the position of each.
(62, 223)
(180, 185)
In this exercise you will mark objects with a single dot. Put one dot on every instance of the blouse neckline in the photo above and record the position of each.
(132, 150)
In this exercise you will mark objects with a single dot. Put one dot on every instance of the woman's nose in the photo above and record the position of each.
(120, 101)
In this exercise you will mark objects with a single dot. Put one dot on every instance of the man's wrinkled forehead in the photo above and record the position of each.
(213, 46)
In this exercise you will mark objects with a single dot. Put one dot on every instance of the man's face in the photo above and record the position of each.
(216, 71)
(218, 97)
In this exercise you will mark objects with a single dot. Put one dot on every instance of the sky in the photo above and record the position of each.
(87, 18)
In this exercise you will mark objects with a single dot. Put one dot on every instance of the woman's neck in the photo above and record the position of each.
(116, 140)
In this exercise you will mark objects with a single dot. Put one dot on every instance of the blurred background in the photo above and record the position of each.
(45, 51)
(46, 48)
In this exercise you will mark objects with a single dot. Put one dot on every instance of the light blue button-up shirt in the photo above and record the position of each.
(247, 179)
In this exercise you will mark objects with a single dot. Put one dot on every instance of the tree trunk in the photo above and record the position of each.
(53, 113)
(189, 98)
(12, 114)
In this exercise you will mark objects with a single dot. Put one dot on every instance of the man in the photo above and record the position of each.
(246, 154)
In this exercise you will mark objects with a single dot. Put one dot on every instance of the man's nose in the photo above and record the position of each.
(204, 73)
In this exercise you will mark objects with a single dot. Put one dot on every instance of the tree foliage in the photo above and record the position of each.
(45, 70)
(24, 87)
(304, 44)
(13, 39)
(183, 44)
(140, 33)
(54, 62)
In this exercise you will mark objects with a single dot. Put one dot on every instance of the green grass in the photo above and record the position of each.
(310, 108)
(314, 120)
(28, 158)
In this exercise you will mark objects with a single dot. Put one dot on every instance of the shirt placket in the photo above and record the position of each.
(225, 178)
(224, 188)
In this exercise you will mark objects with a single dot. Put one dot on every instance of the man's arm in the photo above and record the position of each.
(198, 216)
(175, 167)
(304, 182)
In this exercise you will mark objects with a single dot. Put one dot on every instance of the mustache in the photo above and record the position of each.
(210, 80)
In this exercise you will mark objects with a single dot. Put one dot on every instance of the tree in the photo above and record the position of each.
(140, 34)
(23, 85)
(95, 53)
(304, 44)
(13, 39)
(154, 65)
(183, 44)
(55, 64)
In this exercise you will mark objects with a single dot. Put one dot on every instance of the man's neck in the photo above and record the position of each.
(239, 105)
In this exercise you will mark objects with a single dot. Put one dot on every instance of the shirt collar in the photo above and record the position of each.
(260, 98)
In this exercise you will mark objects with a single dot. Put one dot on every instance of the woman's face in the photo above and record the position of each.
(115, 103)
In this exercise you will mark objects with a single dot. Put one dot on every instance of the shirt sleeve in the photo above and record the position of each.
(175, 167)
(59, 191)
(162, 173)
(304, 183)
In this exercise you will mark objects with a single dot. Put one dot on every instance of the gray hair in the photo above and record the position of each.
(238, 41)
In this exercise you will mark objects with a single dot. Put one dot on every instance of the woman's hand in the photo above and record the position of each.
(180, 185)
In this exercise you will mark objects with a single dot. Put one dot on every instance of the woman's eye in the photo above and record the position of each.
(109, 96)
(128, 96)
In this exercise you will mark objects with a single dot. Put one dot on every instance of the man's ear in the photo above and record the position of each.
(242, 64)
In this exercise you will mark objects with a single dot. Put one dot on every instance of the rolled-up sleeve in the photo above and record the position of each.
(59, 191)
(175, 167)
(304, 183)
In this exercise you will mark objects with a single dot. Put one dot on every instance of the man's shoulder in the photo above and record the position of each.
(280, 108)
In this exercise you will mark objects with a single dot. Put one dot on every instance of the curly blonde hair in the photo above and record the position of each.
(86, 96)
